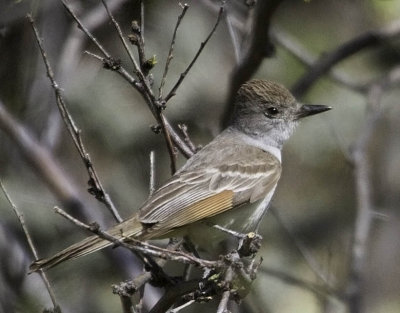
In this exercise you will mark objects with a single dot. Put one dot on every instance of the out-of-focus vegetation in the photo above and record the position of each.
(316, 196)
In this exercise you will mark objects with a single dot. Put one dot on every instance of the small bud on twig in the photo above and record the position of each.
(149, 64)
(135, 27)
(156, 129)
(133, 39)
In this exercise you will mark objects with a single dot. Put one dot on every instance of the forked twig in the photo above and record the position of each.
(186, 137)
(85, 30)
(202, 45)
(96, 187)
(142, 86)
(171, 49)
(124, 43)
(21, 220)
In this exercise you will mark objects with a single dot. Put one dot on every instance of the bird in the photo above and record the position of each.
(228, 183)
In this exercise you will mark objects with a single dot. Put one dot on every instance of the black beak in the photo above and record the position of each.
(311, 109)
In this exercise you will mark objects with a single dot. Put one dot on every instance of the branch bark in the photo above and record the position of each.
(347, 49)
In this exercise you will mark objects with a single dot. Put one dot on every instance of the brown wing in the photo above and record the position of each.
(191, 196)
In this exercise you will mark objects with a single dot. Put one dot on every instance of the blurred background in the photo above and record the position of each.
(308, 234)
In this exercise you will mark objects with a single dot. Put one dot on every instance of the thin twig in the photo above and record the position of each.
(317, 289)
(67, 63)
(175, 292)
(171, 49)
(144, 84)
(85, 30)
(293, 46)
(96, 187)
(141, 44)
(127, 305)
(308, 257)
(178, 141)
(122, 38)
(347, 49)
(143, 247)
(181, 307)
(171, 148)
(234, 37)
(142, 19)
(186, 137)
(223, 304)
(152, 181)
(21, 220)
(202, 45)
(42, 161)
(138, 282)
(180, 144)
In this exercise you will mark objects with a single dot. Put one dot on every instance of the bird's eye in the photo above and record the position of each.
(271, 112)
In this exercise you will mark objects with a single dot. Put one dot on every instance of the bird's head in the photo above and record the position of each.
(266, 108)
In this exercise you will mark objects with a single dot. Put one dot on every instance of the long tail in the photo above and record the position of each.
(131, 227)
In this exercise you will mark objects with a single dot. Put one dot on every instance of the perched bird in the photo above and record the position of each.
(228, 183)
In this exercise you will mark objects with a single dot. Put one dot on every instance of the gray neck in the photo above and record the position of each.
(272, 134)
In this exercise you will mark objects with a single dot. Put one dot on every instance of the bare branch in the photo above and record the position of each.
(85, 30)
(173, 293)
(293, 46)
(42, 161)
(21, 220)
(142, 19)
(138, 38)
(171, 148)
(171, 49)
(186, 137)
(234, 38)
(223, 304)
(152, 181)
(122, 38)
(362, 174)
(202, 45)
(178, 141)
(317, 289)
(96, 187)
(181, 307)
(143, 87)
(142, 247)
(308, 257)
(347, 49)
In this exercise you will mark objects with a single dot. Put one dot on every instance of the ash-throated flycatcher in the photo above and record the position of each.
(228, 183)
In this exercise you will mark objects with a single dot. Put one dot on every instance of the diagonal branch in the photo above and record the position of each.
(142, 247)
(347, 49)
(300, 52)
(42, 161)
(95, 184)
(31, 246)
(122, 38)
(141, 86)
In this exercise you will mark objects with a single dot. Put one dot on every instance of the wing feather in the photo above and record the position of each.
(197, 193)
